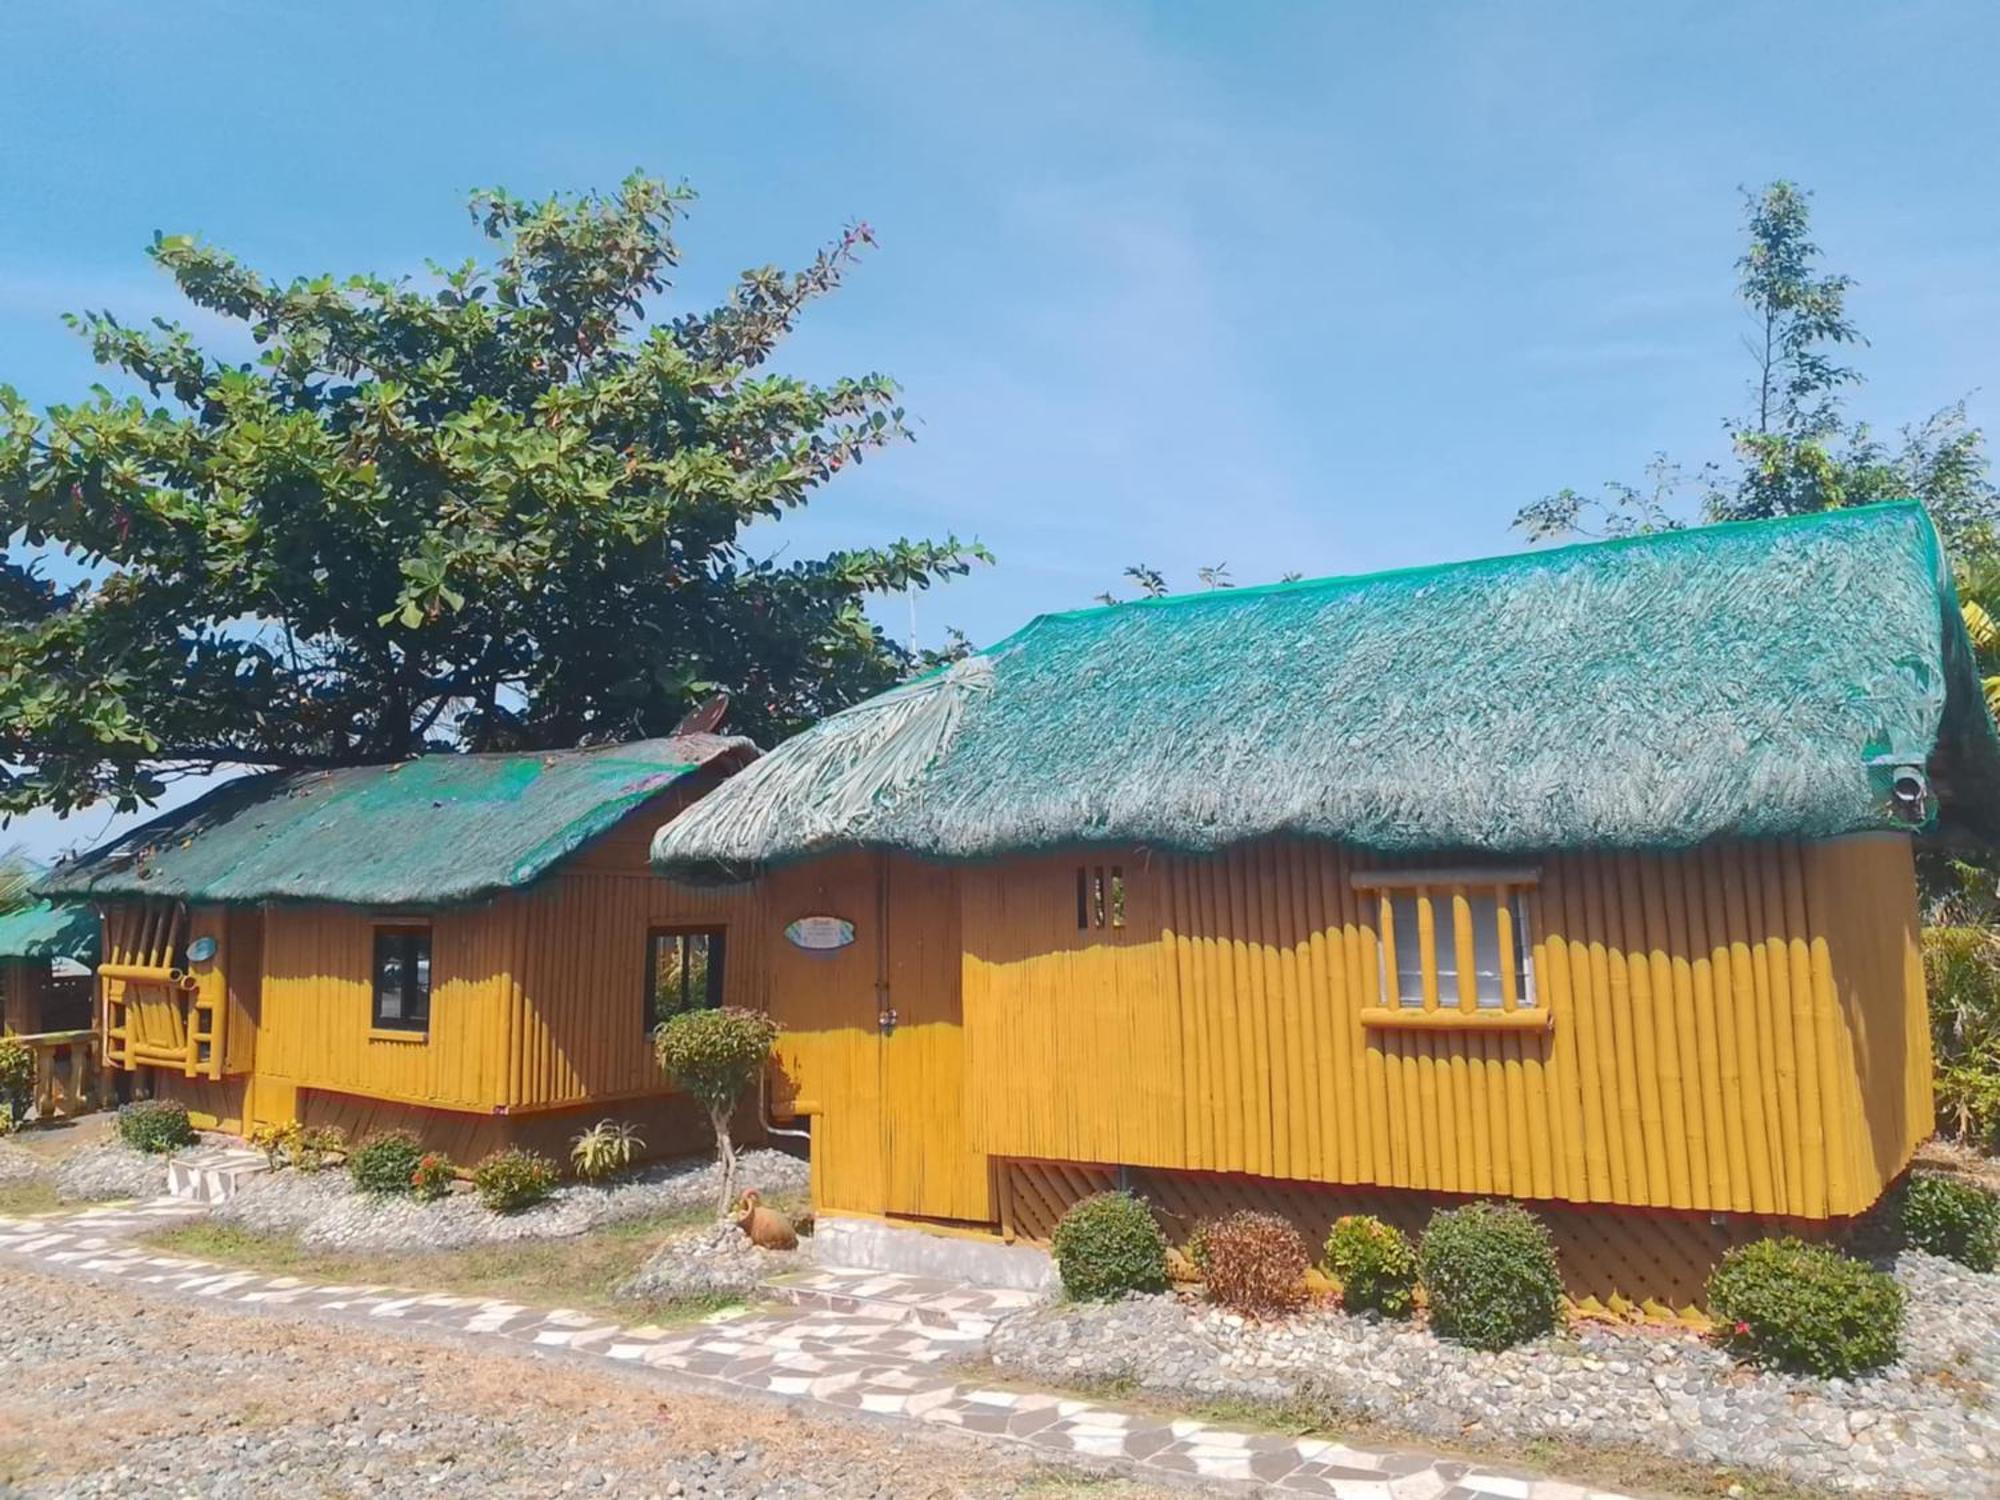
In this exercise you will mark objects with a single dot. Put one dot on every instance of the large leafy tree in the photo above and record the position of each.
(500, 507)
(1794, 450)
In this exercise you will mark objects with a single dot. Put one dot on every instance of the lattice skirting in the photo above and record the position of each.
(1616, 1261)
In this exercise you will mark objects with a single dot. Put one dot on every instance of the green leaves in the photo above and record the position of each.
(1795, 452)
(496, 508)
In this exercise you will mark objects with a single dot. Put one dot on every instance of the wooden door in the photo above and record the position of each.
(928, 1171)
(829, 1050)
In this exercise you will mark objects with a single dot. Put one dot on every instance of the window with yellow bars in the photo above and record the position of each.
(1454, 948)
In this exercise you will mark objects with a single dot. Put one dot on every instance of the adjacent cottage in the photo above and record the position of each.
(467, 946)
(47, 949)
(1580, 876)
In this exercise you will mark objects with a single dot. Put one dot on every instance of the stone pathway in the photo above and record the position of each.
(860, 1340)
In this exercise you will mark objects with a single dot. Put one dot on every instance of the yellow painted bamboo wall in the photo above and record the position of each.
(1737, 1028)
(537, 997)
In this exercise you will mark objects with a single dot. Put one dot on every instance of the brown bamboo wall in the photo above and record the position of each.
(1737, 1028)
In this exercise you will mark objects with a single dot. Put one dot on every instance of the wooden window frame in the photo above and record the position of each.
(402, 1028)
(1102, 899)
(1512, 892)
(718, 965)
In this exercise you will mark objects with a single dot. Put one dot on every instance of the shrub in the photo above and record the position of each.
(1375, 1264)
(277, 1142)
(604, 1150)
(1962, 975)
(1196, 1249)
(1489, 1271)
(17, 1082)
(155, 1125)
(508, 1181)
(715, 1055)
(1805, 1308)
(432, 1176)
(1108, 1245)
(1256, 1263)
(385, 1163)
(1952, 1218)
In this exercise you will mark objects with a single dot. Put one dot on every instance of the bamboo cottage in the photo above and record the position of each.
(467, 946)
(47, 949)
(1581, 876)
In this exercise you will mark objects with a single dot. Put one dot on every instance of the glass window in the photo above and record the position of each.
(403, 978)
(1483, 908)
(683, 973)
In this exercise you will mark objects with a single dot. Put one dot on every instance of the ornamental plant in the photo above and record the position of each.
(17, 1082)
(1489, 1272)
(1959, 1220)
(1108, 1245)
(433, 1176)
(605, 1150)
(1256, 1263)
(1375, 1264)
(1805, 1308)
(716, 1055)
(385, 1164)
(509, 1181)
(155, 1126)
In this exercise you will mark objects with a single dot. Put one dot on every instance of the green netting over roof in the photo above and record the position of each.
(435, 830)
(1759, 679)
(50, 929)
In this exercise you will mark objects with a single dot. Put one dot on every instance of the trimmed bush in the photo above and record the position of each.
(155, 1125)
(1960, 1220)
(1489, 1271)
(385, 1163)
(1109, 1245)
(716, 1055)
(433, 1176)
(1805, 1308)
(1256, 1263)
(1375, 1264)
(509, 1181)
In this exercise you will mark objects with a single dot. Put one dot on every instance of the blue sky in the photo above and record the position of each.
(1322, 288)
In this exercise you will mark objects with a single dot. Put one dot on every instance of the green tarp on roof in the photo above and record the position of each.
(1760, 679)
(438, 829)
(50, 929)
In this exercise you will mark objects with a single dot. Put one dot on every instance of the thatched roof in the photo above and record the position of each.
(430, 831)
(1761, 679)
(49, 929)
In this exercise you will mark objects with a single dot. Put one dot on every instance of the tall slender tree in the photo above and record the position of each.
(1794, 449)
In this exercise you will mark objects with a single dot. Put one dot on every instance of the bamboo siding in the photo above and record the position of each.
(1736, 1028)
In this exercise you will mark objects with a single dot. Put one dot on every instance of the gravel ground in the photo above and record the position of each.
(17, 1165)
(111, 1394)
(325, 1213)
(714, 1260)
(109, 1169)
(1928, 1424)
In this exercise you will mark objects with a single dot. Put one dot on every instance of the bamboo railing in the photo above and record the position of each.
(70, 1078)
(154, 1012)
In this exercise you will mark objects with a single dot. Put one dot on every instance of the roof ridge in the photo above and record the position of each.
(1333, 582)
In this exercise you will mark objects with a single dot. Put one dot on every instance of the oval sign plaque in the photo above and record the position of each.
(201, 950)
(820, 934)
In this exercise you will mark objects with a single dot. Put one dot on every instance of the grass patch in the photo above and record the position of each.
(580, 1272)
(1056, 1481)
(34, 1196)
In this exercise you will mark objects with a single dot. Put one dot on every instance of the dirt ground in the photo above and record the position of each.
(107, 1393)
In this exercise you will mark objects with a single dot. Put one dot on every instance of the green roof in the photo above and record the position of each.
(431, 831)
(50, 929)
(1762, 679)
